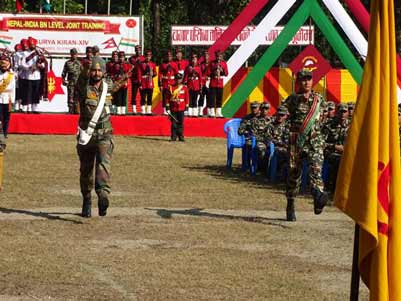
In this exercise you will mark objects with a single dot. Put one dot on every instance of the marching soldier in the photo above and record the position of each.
(306, 142)
(216, 70)
(146, 72)
(97, 152)
(205, 83)
(70, 74)
(7, 92)
(167, 71)
(193, 79)
(277, 132)
(135, 80)
(176, 106)
(335, 133)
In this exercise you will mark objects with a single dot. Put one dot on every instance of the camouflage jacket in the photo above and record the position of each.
(89, 97)
(71, 70)
(279, 134)
(298, 109)
(335, 133)
(252, 125)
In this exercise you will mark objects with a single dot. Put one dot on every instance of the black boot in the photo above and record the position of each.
(291, 210)
(103, 203)
(86, 208)
(320, 199)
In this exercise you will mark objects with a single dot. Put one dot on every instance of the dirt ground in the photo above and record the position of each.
(180, 227)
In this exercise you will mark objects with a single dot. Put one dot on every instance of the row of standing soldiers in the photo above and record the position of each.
(305, 127)
(204, 79)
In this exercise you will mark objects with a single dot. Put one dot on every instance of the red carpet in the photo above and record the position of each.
(64, 124)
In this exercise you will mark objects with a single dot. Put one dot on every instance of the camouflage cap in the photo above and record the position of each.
(331, 105)
(342, 107)
(304, 73)
(351, 105)
(97, 63)
(88, 49)
(282, 110)
(265, 105)
(95, 49)
(73, 51)
(255, 105)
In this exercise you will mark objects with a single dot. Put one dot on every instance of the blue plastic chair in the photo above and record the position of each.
(234, 141)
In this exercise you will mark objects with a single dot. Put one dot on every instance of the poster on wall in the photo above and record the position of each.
(58, 33)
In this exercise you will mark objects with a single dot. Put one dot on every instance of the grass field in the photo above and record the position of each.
(180, 227)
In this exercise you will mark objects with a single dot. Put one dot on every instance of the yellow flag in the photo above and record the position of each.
(369, 179)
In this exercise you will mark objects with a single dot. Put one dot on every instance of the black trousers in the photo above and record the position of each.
(165, 95)
(205, 94)
(135, 88)
(5, 117)
(120, 98)
(177, 126)
(193, 98)
(216, 97)
(146, 97)
(30, 92)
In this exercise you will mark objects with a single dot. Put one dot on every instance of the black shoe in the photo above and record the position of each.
(290, 211)
(319, 201)
(103, 204)
(86, 208)
(181, 138)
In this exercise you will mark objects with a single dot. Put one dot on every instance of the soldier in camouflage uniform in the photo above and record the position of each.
(247, 123)
(335, 133)
(95, 157)
(306, 142)
(259, 125)
(278, 133)
(70, 74)
(351, 107)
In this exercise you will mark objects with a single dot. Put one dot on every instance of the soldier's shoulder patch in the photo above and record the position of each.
(91, 95)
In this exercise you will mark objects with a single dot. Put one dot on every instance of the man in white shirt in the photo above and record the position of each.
(7, 91)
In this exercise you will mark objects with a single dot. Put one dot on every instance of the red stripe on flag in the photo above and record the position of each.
(19, 5)
(271, 82)
(236, 80)
(235, 28)
(382, 228)
(333, 89)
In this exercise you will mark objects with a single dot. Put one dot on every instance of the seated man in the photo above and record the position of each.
(278, 133)
(335, 133)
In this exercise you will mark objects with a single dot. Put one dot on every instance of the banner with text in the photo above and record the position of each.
(207, 35)
(59, 33)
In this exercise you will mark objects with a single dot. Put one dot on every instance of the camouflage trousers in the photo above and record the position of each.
(314, 159)
(73, 106)
(95, 159)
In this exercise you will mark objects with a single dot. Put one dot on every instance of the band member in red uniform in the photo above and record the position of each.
(193, 78)
(146, 72)
(167, 70)
(113, 60)
(217, 69)
(135, 79)
(176, 106)
(120, 75)
(180, 62)
(205, 83)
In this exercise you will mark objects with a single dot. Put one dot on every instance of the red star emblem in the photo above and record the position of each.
(54, 85)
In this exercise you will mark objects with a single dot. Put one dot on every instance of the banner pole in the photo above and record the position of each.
(86, 7)
(355, 270)
(108, 7)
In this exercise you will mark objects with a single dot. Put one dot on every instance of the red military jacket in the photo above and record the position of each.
(193, 77)
(146, 73)
(204, 68)
(119, 70)
(216, 80)
(178, 99)
(134, 61)
(167, 71)
(181, 65)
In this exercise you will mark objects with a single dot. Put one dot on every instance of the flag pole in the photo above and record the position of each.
(355, 270)
(108, 7)
(64, 7)
(86, 7)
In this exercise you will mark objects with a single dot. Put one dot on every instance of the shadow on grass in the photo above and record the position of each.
(161, 138)
(47, 215)
(167, 213)
(236, 175)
